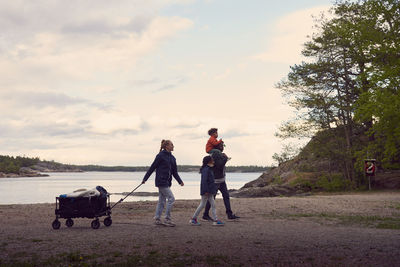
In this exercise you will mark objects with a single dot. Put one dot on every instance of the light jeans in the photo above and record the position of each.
(164, 195)
(204, 199)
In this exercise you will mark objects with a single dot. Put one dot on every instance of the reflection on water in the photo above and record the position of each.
(45, 189)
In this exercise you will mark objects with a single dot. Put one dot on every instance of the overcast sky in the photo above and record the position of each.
(102, 82)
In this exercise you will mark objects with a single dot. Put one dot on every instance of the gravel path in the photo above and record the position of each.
(322, 230)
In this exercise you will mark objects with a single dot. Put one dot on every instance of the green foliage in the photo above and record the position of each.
(333, 183)
(13, 164)
(303, 183)
(349, 88)
(329, 182)
(288, 152)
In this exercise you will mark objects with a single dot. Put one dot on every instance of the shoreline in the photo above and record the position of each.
(343, 229)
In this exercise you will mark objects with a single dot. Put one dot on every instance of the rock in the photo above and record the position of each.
(28, 172)
(266, 191)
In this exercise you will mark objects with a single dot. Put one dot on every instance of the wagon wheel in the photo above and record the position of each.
(107, 221)
(69, 222)
(95, 224)
(56, 224)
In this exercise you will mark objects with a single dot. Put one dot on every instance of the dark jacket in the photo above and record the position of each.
(165, 166)
(220, 160)
(207, 181)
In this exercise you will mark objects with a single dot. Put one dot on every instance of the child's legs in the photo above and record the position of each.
(207, 209)
(160, 204)
(211, 200)
(169, 196)
(204, 199)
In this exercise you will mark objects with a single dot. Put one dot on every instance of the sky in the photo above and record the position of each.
(103, 82)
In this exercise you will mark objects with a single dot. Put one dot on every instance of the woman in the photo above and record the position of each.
(165, 166)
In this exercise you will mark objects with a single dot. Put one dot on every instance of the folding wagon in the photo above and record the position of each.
(82, 203)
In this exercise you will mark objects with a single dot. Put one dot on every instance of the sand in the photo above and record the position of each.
(360, 229)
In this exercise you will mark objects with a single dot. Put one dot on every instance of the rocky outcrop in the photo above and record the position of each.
(49, 166)
(283, 180)
(23, 172)
(267, 191)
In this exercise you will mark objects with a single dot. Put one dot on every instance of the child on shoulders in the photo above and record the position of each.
(213, 143)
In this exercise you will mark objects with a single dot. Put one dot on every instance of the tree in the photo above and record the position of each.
(348, 81)
(381, 103)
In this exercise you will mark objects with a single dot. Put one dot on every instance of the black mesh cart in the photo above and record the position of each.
(91, 207)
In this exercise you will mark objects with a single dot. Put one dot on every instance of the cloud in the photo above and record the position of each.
(175, 83)
(117, 28)
(79, 39)
(47, 99)
(289, 34)
(41, 129)
(232, 133)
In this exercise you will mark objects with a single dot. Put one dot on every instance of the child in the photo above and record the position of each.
(207, 191)
(212, 143)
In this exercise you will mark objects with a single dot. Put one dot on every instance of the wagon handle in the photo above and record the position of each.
(122, 199)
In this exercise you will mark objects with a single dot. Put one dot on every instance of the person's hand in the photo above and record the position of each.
(143, 182)
(206, 193)
(182, 184)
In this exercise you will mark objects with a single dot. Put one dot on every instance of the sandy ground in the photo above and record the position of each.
(323, 230)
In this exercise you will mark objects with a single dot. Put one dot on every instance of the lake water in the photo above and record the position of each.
(45, 189)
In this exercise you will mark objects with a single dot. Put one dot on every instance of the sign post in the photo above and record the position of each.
(369, 169)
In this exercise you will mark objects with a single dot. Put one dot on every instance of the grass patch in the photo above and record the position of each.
(118, 259)
(368, 221)
(216, 260)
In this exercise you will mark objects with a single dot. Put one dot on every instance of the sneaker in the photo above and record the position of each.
(233, 217)
(218, 223)
(194, 222)
(168, 222)
(158, 222)
(207, 218)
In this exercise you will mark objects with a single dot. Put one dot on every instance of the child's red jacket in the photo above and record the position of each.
(212, 143)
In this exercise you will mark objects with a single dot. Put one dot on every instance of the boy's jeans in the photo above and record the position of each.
(225, 195)
(164, 195)
(205, 199)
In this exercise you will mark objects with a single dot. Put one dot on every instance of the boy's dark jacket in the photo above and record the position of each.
(207, 181)
(165, 166)
(220, 160)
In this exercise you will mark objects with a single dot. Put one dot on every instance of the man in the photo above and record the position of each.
(220, 160)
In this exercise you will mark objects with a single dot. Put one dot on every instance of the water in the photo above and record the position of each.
(45, 189)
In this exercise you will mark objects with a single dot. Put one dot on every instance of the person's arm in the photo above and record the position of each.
(220, 159)
(214, 141)
(176, 175)
(151, 169)
(204, 181)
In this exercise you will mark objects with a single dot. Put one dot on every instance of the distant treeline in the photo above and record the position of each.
(13, 164)
(181, 168)
(98, 168)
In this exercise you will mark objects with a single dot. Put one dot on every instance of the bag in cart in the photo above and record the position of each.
(83, 203)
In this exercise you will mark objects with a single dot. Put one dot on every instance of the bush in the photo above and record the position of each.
(332, 182)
